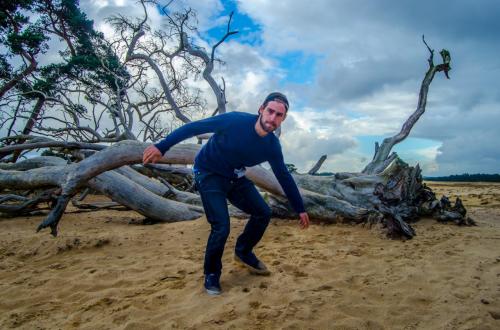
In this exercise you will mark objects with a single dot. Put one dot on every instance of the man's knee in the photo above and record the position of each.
(264, 214)
(221, 230)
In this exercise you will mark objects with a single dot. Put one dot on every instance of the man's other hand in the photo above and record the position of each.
(151, 155)
(304, 220)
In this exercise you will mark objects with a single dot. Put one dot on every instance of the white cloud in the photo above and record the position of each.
(369, 67)
(304, 142)
(371, 61)
(207, 11)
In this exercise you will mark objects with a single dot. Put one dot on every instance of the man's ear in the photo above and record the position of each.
(261, 109)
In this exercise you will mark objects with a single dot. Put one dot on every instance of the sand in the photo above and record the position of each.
(108, 271)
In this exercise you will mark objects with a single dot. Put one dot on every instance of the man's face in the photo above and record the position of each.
(272, 116)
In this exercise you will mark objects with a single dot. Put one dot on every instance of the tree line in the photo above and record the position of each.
(466, 177)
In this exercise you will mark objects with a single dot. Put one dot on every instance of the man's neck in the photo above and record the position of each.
(258, 128)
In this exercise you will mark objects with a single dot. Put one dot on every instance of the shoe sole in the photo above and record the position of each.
(255, 271)
(213, 292)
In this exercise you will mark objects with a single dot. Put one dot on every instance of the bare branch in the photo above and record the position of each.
(209, 65)
(228, 34)
(53, 144)
(316, 167)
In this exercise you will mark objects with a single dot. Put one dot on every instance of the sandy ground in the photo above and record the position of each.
(107, 271)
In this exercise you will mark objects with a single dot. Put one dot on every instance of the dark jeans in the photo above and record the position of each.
(215, 190)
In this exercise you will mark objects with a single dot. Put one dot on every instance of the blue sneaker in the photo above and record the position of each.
(212, 284)
(254, 265)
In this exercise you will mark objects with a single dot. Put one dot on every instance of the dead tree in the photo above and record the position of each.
(317, 166)
(130, 105)
(386, 192)
(381, 158)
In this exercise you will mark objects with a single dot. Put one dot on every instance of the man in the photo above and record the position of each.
(239, 140)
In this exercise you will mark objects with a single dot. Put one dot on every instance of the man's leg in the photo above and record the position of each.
(245, 196)
(212, 189)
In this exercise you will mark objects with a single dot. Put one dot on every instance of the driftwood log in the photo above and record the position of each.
(386, 192)
(394, 197)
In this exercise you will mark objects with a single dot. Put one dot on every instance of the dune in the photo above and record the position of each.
(106, 270)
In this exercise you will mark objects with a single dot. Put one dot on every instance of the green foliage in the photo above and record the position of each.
(18, 36)
(82, 59)
(10, 12)
(5, 68)
(30, 39)
(85, 62)
(445, 54)
(324, 174)
(291, 168)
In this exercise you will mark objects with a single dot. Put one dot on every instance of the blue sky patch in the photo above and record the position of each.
(248, 31)
(405, 149)
(300, 67)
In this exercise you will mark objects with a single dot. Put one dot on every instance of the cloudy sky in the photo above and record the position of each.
(352, 71)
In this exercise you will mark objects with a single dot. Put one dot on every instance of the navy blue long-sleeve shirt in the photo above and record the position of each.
(235, 145)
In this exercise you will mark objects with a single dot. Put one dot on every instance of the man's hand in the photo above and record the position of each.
(151, 155)
(304, 220)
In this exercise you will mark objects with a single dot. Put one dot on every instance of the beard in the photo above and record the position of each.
(268, 127)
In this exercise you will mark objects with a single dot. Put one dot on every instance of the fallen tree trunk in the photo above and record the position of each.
(74, 176)
(126, 192)
(27, 205)
(99, 206)
(32, 163)
(181, 177)
(353, 198)
(114, 185)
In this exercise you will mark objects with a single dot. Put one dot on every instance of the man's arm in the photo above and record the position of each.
(153, 153)
(289, 187)
(208, 125)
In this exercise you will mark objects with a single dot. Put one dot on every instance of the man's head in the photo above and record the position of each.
(273, 111)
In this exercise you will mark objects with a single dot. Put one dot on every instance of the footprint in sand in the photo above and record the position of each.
(254, 304)
(355, 252)
(299, 273)
(324, 287)
(294, 270)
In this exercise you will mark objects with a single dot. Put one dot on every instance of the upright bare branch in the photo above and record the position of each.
(383, 151)
(317, 166)
(209, 65)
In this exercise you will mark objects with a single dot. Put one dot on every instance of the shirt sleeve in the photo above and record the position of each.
(286, 181)
(208, 125)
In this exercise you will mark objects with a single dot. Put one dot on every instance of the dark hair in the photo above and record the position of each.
(276, 96)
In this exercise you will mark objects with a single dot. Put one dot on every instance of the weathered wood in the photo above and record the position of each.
(317, 166)
(52, 144)
(393, 197)
(181, 177)
(98, 205)
(89, 172)
(27, 205)
(34, 162)
(126, 192)
(159, 188)
(74, 176)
